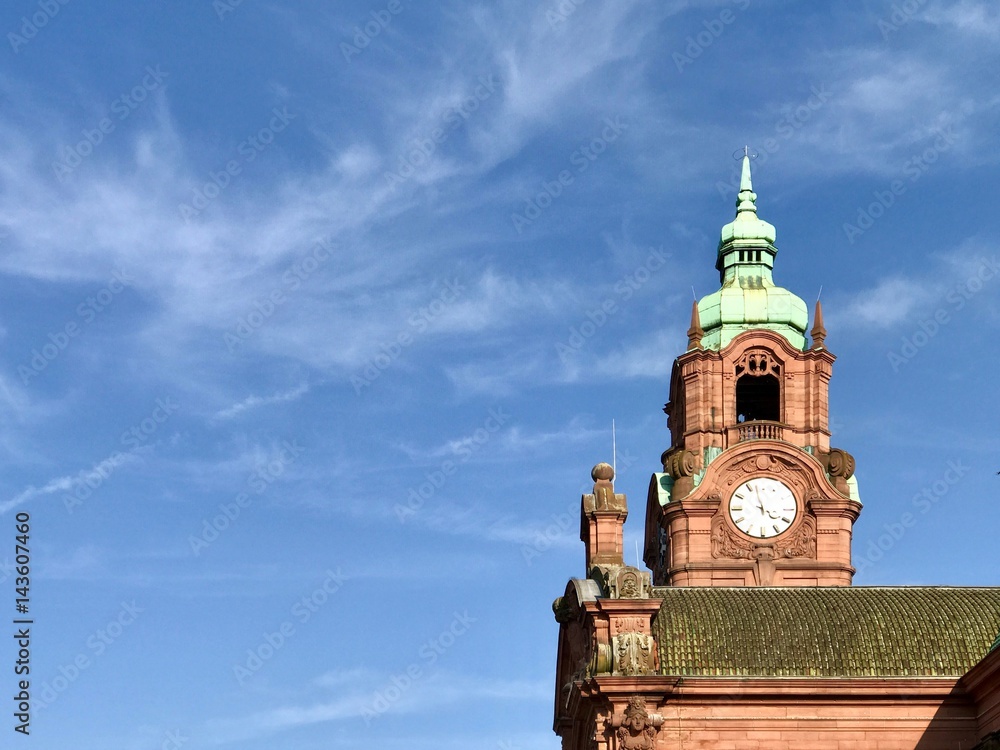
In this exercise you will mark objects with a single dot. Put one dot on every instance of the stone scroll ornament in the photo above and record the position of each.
(726, 544)
(637, 729)
(601, 656)
(800, 544)
(840, 467)
(840, 463)
(681, 465)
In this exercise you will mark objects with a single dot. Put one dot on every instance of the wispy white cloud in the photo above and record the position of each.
(255, 402)
(522, 440)
(355, 697)
(84, 563)
(644, 357)
(886, 304)
(953, 283)
(100, 471)
(337, 678)
(511, 439)
(649, 357)
(966, 16)
(499, 378)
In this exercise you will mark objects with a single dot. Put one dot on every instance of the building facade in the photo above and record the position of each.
(745, 632)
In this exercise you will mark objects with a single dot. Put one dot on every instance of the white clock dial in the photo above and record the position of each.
(762, 507)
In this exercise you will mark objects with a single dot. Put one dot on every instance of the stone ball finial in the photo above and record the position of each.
(602, 472)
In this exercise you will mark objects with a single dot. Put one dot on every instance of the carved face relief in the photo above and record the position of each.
(628, 587)
(763, 507)
(637, 730)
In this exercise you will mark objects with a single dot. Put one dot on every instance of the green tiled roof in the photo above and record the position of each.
(825, 632)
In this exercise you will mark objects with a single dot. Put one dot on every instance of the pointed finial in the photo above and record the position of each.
(695, 332)
(747, 226)
(818, 332)
(746, 198)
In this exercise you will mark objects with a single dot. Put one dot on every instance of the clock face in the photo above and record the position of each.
(762, 507)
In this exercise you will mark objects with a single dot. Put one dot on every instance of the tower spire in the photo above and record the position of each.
(695, 332)
(745, 233)
(818, 332)
(748, 296)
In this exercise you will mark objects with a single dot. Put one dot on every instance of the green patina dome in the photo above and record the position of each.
(749, 297)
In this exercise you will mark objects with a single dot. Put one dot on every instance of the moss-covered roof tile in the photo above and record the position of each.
(825, 632)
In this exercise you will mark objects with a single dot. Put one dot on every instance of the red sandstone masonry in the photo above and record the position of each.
(703, 414)
(802, 713)
(840, 714)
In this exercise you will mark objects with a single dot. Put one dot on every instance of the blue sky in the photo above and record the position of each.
(302, 377)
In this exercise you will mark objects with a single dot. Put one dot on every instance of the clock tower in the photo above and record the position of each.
(751, 493)
(747, 633)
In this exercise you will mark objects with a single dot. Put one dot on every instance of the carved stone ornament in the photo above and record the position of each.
(776, 466)
(625, 624)
(634, 654)
(632, 584)
(604, 496)
(757, 362)
(764, 555)
(563, 609)
(682, 464)
(637, 729)
(601, 656)
(727, 544)
(802, 543)
(621, 582)
(840, 463)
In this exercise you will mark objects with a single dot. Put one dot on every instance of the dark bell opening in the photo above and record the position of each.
(758, 397)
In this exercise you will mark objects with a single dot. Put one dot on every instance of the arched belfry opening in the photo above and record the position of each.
(758, 388)
(758, 397)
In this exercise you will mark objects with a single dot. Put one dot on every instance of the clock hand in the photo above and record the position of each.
(772, 511)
